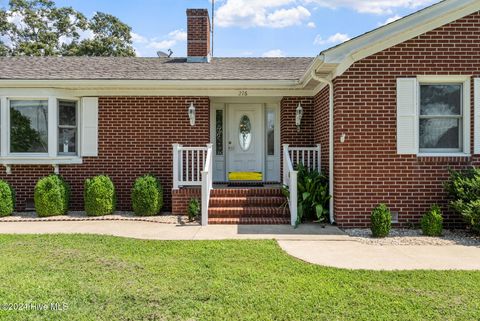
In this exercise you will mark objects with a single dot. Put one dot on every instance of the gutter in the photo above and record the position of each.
(330, 139)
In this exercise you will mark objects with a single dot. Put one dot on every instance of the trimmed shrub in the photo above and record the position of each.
(51, 196)
(464, 188)
(432, 222)
(147, 196)
(100, 196)
(193, 209)
(381, 220)
(7, 199)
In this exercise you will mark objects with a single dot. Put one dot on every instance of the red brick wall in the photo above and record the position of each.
(135, 137)
(367, 168)
(182, 196)
(288, 132)
(198, 32)
(320, 129)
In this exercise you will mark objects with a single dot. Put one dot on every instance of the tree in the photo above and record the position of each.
(111, 38)
(39, 28)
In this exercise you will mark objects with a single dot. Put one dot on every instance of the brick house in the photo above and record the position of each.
(384, 114)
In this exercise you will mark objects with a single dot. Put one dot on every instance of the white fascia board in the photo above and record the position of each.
(120, 84)
(397, 32)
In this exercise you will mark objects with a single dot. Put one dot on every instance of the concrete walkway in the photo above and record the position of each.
(324, 246)
(156, 231)
(358, 256)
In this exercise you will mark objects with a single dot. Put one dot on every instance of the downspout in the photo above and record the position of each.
(330, 139)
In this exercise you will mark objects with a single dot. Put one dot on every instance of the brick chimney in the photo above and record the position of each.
(198, 30)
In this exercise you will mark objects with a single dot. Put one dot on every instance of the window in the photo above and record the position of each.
(441, 118)
(219, 132)
(270, 133)
(29, 126)
(67, 127)
(245, 133)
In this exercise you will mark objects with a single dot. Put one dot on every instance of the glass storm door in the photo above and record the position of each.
(245, 142)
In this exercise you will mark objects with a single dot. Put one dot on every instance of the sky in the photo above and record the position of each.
(251, 28)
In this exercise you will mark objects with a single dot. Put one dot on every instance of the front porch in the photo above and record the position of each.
(238, 201)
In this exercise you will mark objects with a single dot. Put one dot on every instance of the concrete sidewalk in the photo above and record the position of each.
(358, 256)
(156, 231)
(324, 246)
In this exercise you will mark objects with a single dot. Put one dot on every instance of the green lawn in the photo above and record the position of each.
(108, 278)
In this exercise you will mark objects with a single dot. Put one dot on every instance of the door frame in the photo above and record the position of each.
(222, 103)
(261, 123)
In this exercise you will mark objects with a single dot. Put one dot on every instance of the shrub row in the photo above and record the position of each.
(52, 195)
(381, 221)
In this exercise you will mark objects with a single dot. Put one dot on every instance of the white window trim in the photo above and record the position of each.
(77, 126)
(52, 157)
(466, 105)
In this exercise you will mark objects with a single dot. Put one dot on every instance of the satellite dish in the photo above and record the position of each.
(162, 54)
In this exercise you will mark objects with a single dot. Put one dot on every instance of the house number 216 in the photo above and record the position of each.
(243, 93)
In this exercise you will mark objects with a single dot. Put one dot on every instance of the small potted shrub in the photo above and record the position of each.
(7, 199)
(193, 209)
(51, 196)
(432, 222)
(381, 220)
(147, 196)
(100, 196)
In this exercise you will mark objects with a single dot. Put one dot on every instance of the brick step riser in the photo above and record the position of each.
(248, 202)
(257, 211)
(249, 221)
(246, 192)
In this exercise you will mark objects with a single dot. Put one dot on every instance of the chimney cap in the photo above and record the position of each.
(197, 12)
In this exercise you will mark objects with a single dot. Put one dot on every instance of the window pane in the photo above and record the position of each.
(270, 133)
(29, 126)
(67, 113)
(219, 132)
(440, 99)
(245, 133)
(439, 133)
(67, 140)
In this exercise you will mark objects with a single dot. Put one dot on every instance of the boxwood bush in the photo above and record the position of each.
(432, 222)
(51, 196)
(147, 196)
(381, 220)
(7, 199)
(100, 197)
(464, 189)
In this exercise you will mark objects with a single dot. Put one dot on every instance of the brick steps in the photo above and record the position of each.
(248, 206)
(250, 220)
(247, 201)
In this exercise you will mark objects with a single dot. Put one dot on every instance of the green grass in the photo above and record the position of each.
(108, 278)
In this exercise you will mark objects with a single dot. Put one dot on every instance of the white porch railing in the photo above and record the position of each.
(292, 156)
(192, 166)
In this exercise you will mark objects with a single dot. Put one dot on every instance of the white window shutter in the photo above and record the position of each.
(476, 116)
(89, 125)
(407, 116)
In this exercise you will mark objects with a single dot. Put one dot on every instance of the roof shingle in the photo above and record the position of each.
(136, 68)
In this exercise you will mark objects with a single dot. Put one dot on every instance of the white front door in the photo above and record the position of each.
(245, 140)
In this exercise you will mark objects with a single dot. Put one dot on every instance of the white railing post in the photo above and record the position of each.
(207, 184)
(293, 198)
(210, 165)
(205, 198)
(285, 167)
(319, 155)
(176, 148)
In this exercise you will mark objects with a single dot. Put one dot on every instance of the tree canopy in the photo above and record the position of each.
(40, 28)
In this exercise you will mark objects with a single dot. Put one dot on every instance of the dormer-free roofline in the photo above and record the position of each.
(334, 61)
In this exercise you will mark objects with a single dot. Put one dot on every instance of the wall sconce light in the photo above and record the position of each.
(298, 116)
(191, 114)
